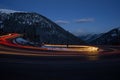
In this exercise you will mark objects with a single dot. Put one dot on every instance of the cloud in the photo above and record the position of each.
(62, 22)
(84, 20)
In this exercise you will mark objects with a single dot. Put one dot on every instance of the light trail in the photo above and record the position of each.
(16, 59)
(52, 50)
(6, 40)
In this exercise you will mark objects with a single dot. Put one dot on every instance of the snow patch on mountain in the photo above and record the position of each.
(1, 24)
(89, 37)
(111, 37)
(7, 11)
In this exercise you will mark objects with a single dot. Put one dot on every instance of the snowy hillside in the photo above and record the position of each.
(110, 38)
(89, 37)
(8, 11)
(35, 27)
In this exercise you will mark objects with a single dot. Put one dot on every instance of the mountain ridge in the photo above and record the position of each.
(36, 28)
(112, 37)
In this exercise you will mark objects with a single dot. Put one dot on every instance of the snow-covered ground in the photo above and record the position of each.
(25, 42)
(21, 40)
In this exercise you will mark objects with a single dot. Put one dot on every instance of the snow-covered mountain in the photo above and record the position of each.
(35, 27)
(111, 37)
(89, 37)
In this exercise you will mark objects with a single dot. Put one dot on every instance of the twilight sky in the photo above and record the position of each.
(76, 16)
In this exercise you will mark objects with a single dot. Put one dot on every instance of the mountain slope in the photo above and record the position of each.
(35, 27)
(112, 37)
(89, 37)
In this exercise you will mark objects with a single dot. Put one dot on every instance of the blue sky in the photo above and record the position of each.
(76, 16)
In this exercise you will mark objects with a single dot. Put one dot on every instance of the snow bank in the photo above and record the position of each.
(21, 41)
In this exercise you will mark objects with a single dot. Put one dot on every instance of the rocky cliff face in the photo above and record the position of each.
(35, 27)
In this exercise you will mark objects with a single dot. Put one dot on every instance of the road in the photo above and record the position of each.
(18, 63)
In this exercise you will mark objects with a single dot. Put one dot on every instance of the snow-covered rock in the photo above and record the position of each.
(7, 11)
(1, 24)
